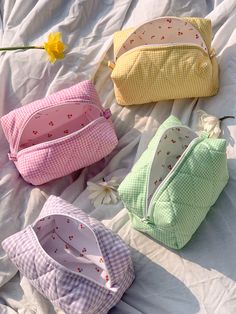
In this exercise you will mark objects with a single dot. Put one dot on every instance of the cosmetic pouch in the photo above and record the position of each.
(166, 58)
(61, 133)
(72, 259)
(175, 182)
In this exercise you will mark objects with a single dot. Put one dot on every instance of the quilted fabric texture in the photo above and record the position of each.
(184, 197)
(151, 72)
(67, 289)
(50, 159)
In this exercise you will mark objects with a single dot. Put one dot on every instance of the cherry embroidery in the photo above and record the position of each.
(53, 237)
(97, 269)
(56, 251)
(180, 33)
(196, 36)
(107, 278)
(81, 255)
(66, 131)
(51, 123)
(81, 226)
(69, 116)
(66, 247)
(35, 132)
(173, 141)
(168, 20)
(71, 237)
(84, 250)
(169, 167)
(80, 269)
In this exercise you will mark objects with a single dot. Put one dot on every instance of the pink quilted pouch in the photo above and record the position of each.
(61, 133)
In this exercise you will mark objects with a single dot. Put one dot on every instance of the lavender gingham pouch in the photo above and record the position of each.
(72, 259)
(61, 133)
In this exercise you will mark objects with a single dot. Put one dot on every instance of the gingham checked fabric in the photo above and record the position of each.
(50, 160)
(71, 292)
(153, 68)
(184, 197)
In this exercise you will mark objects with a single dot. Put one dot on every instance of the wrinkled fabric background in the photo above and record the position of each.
(201, 278)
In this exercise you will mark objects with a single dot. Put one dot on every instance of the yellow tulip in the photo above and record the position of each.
(54, 47)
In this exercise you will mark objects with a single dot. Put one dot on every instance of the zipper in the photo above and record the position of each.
(146, 211)
(149, 208)
(160, 45)
(62, 266)
(13, 156)
(163, 17)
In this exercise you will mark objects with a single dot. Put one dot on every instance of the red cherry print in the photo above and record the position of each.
(101, 260)
(82, 124)
(107, 278)
(81, 255)
(80, 269)
(69, 116)
(173, 141)
(162, 37)
(84, 250)
(155, 182)
(35, 132)
(51, 123)
(186, 136)
(168, 20)
(160, 179)
(169, 167)
(56, 251)
(168, 153)
(185, 146)
(178, 129)
(81, 226)
(131, 41)
(180, 33)
(169, 27)
(39, 228)
(97, 269)
(71, 237)
(153, 36)
(42, 219)
(49, 135)
(53, 238)
(66, 131)
(57, 228)
(196, 36)
(68, 221)
(177, 157)
(66, 247)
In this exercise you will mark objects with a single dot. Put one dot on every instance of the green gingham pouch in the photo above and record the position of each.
(175, 182)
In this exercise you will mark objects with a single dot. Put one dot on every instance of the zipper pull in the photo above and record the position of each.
(12, 157)
(107, 113)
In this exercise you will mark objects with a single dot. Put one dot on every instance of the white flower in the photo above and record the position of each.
(103, 192)
(209, 124)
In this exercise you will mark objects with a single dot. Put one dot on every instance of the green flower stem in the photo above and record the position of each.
(20, 47)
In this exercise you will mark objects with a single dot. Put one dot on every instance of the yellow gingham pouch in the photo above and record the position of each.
(166, 58)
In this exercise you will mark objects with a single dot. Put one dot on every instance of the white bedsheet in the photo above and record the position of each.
(201, 278)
